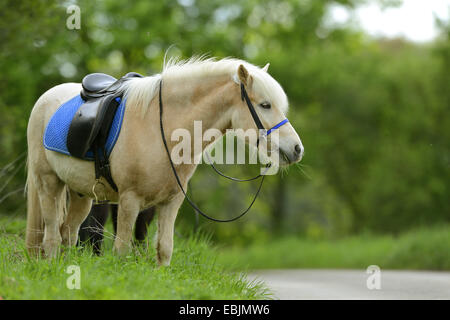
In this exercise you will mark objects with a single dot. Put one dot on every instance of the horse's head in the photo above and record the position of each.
(260, 92)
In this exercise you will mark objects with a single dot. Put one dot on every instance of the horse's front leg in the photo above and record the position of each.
(129, 206)
(167, 214)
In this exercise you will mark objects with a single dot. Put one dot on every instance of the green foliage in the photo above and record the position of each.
(423, 249)
(427, 248)
(372, 113)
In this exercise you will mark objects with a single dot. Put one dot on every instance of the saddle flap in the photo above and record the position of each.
(86, 125)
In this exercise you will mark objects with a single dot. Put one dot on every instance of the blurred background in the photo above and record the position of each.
(369, 92)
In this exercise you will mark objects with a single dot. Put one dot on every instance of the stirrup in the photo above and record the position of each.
(96, 201)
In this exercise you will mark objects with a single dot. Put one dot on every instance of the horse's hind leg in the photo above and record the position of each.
(79, 208)
(51, 201)
(143, 221)
(92, 228)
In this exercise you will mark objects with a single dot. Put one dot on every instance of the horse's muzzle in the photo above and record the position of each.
(292, 156)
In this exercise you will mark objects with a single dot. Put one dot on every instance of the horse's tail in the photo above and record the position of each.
(35, 222)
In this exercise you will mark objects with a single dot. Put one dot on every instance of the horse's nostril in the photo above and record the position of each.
(298, 150)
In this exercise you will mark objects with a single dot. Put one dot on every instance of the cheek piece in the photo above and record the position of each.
(251, 108)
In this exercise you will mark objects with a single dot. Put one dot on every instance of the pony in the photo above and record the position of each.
(60, 187)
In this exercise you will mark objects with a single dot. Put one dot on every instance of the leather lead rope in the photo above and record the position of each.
(232, 178)
(193, 205)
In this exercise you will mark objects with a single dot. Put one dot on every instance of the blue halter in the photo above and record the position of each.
(245, 97)
(275, 127)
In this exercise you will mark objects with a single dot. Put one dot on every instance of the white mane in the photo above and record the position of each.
(141, 91)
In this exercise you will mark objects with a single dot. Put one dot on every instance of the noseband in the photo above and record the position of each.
(262, 131)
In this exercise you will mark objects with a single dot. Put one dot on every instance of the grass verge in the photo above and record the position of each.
(193, 274)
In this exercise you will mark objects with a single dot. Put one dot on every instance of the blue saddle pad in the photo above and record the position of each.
(55, 136)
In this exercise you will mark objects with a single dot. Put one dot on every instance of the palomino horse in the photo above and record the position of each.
(60, 187)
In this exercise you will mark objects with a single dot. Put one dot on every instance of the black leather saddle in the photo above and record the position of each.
(96, 85)
(90, 126)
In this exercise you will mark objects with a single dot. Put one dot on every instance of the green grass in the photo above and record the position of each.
(427, 248)
(193, 274)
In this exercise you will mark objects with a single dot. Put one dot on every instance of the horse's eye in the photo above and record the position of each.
(265, 105)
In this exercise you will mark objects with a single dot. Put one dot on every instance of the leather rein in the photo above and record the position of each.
(259, 125)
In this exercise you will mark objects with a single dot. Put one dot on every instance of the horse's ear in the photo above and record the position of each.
(266, 67)
(243, 75)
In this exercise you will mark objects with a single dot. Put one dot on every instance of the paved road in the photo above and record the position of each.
(352, 284)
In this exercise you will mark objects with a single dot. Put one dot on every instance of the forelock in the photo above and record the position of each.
(270, 88)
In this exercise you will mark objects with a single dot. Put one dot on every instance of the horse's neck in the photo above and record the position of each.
(208, 100)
